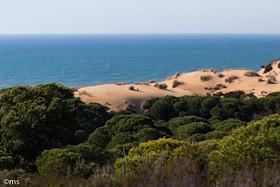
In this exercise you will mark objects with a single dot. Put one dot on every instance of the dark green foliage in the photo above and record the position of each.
(100, 137)
(124, 131)
(149, 103)
(46, 122)
(66, 160)
(121, 112)
(236, 94)
(45, 116)
(268, 68)
(92, 116)
(191, 105)
(174, 123)
(224, 128)
(120, 139)
(188, 130)
(231, 108)
(228, 125)
(215, 135)
(146, 134)
(239, 105)
(131, 123)
(207, 104)
(6, 161)
(163, 109)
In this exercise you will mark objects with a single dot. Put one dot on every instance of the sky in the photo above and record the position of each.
(139, 16)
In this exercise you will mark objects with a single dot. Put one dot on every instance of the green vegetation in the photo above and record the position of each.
(49, 138)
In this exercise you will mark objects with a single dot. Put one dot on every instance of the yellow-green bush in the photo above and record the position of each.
(153, 153)
(63, 161)
(254, 145)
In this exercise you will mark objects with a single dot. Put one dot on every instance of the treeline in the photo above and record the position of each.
(48, 134)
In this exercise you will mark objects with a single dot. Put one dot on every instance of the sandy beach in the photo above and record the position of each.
(202, 82)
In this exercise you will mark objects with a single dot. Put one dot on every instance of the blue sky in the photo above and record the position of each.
(139, 16)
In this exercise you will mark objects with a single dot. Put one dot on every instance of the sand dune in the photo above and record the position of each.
(202, 82)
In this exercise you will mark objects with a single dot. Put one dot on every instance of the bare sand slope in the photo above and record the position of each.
(203, 82)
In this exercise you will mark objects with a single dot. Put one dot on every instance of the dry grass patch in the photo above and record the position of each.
(220, 75)
(162, 86)
(251, 74)
(205, 77)
(176, 83)
(231, 78)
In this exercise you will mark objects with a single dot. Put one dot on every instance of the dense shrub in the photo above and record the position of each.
(229, 108)
(154, 153)
(163, 109)
(231, 78)
(228, 125)
(176, 83)
(205, 77)
(100, 137)
(174, 123)
(45, 116)
(191, 105)
(120, 139)
(6, 161)
(223, 147)
(146, 134)
(268, 68)
(251, 74)
(124, 131)
(66, 160)
(224, 128)
(149, 103)
(162, 86)
(254, 146)
(188, 130)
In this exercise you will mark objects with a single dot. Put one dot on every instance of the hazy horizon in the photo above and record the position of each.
(139, 17)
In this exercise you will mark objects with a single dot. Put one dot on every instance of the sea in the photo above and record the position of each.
(90, 59)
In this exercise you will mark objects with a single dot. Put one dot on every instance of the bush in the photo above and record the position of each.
(267, 68)
(174, 123)
(124, 131)
(163, 109)
(149, 103)
(155, 153)
(228, 125)
(6, 162)
(120, 139)
(162, 86)
(260, 80)
(251, 74)
(176, 83)
(31, 118)
(129, 123)
(205, 77)
(146, 134)
(100, 137)
(220, 75)
(255, 145)
(230, 108)
(132, 88)
(186, 131)
(231, 78)
(67, 160)
(191, 105)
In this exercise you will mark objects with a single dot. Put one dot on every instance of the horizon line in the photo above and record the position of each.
(145, 33)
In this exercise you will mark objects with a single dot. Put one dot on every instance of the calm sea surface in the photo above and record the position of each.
(81, 60)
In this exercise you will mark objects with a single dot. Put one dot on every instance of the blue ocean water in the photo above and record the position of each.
(81, 60)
